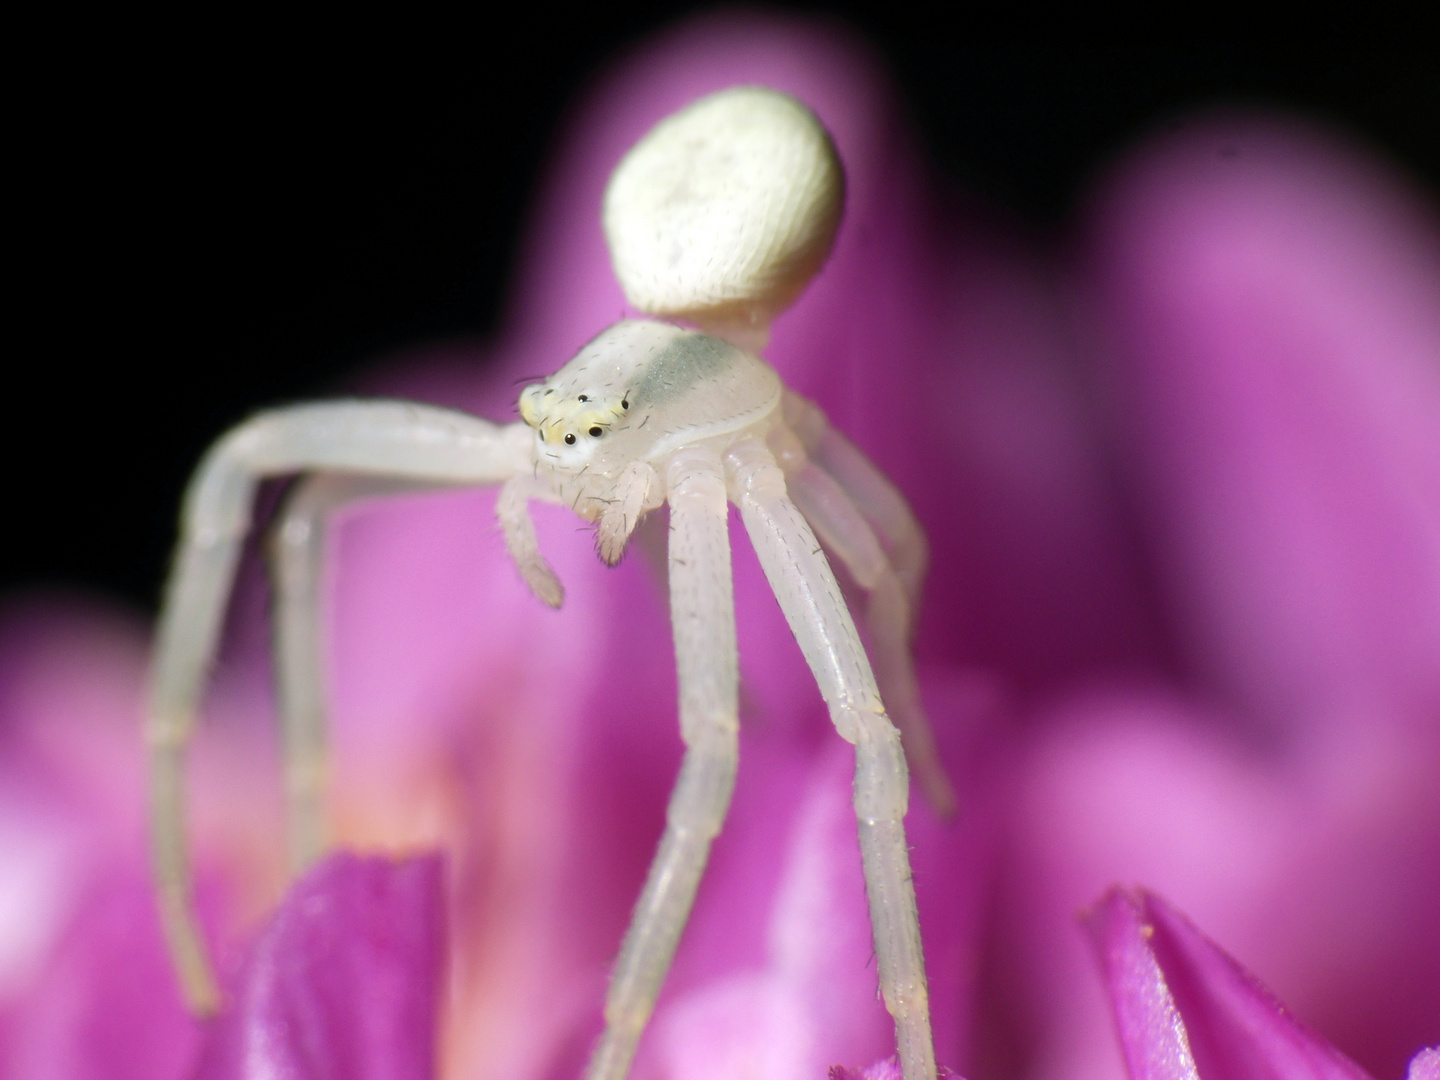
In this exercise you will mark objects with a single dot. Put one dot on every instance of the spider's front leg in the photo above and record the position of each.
(810, 598)
(512, 508)
(396, 439)
(702, 612)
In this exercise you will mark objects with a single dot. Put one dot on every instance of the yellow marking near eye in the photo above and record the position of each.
(530, 410)
(557, 417)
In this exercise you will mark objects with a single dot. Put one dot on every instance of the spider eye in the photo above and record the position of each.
(624, 404)
(584, 398)
(570, 439)
(596, 432)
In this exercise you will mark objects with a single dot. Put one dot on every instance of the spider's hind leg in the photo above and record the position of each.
(869, 489)
(416, 442)
(890, 615)
(194, 606)
(296, 551)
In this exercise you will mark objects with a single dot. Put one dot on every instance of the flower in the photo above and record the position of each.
(342, 981)
(1264, 300)
(1179, 1002)
(1181, 628)
(1185, 1009)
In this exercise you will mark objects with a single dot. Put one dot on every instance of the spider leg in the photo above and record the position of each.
(810, 598)
(296, 550)
(384, 438)
(871, 490)
(845, 532)
(702, 612)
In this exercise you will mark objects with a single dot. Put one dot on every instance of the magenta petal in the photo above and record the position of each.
(885, 1069)
(1180, 1001)
(1275, 299)
(1236, 1026)
(342, 983)
(1152, 1034)
(106, 1005)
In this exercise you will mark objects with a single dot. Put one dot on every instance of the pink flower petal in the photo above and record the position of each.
(1237, 1027)
(1180, 1002)
(1425, 1065)
(86, 986)
(1152, 1034)
(885, 1069)
(1273, 306)
(342, 983)
(106, 1006)
(1270, 305)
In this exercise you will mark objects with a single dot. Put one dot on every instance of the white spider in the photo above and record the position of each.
(719, 217)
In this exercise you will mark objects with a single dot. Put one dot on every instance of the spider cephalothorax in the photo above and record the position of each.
(719, 216)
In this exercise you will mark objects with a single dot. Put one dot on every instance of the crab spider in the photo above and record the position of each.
(718, 217)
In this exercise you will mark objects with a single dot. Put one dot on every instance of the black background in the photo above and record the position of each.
(205, 233)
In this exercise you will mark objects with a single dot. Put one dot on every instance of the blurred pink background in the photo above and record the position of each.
(1179, 461)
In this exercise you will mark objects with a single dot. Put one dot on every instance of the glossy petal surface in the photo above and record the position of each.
(344, 982)
(1174, 991)
(1152, 1033)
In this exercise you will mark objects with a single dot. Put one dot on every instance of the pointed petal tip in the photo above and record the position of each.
(1152, 1033)
(1185, 1008)
(1232, 1016)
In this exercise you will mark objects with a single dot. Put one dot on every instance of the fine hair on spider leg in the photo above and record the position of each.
(646, 414)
